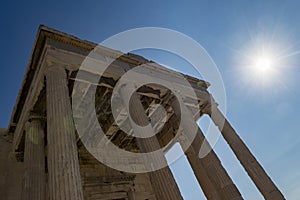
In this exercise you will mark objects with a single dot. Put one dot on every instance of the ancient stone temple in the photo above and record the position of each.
(43, 156)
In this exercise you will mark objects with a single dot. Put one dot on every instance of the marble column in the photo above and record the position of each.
(63, 166)
(34, 160)
(162, 180)
(218, 179)
(206, 185)
(262, 181)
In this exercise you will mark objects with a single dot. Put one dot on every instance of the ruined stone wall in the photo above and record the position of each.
(11, 171)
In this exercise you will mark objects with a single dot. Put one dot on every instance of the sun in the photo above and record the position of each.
(263, 64)
(262, 68)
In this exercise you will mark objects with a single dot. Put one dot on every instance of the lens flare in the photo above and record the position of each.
(264, 60)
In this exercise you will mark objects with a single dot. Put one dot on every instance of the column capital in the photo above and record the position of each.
(36, 116)
(55, 67)
(208, 107)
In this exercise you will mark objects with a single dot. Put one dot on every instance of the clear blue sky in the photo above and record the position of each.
(265, 113)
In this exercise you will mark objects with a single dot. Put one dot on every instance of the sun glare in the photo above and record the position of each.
(262, 68)
(263, 64)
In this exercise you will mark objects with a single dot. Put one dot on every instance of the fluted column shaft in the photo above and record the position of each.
(162, 180)
(34, 161)
(262, 181)
(218, 177)
(207, 186)
(63, 165)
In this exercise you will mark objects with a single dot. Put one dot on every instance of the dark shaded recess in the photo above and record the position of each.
(106, 119)
(28, 79)
(147, 89)
(104, 113)
(20, 151)
(40, 105)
